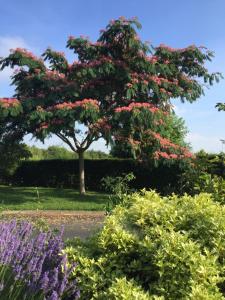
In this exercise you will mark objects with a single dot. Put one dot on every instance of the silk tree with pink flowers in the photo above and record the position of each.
(118, 89)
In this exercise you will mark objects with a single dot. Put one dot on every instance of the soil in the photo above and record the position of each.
(76, 223)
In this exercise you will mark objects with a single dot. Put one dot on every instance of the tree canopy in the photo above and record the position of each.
(119, 89)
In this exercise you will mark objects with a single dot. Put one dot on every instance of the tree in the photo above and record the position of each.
(175, 131)
(11, 151)
(117, 89)
(58, 152)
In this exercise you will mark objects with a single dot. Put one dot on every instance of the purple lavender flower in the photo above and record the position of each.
(35, 263)
(54, 296)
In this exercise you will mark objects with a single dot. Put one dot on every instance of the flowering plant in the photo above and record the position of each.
(32, 265)
(118, 74)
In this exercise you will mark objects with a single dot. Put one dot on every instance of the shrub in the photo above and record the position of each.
(118, 187)
(157, 248)
(32, 265)
(212, 184)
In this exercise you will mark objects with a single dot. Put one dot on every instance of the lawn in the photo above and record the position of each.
(31, 198)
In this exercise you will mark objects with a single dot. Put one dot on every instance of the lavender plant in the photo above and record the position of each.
(32, 265)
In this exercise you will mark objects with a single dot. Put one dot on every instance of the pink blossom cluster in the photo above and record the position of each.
(164, 142)
(125, 21)
(54, 74)
(98, 62)
(71, 37)
(43, 126)
(167, 144)
(60, 53)
(187, 154)
(141, 53)
(27, 54)
(152, 59)
(160, 80)
(50, 75)
(102, 124)
(159, 122)
(170, 49)
(37, 71)
(85, 103)
(162, 154)
(129, 85)
(9, 102)
(156, 79)
(164, 91)
(134, 105)
(185, 78)
(97, 44)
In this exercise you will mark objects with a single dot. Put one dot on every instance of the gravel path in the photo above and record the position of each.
(76, 223)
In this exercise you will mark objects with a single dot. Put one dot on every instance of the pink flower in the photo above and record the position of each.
(137, 105)
(129, 85)
(85, 103)
(9, 102)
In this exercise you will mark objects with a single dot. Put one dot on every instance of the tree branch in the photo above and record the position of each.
(66, 140)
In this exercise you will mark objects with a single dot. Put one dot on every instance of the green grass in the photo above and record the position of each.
(26, 198)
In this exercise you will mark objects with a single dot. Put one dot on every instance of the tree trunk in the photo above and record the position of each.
(81, 172)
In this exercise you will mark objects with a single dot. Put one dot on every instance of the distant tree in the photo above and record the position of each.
(58, 152)
(11, 152)
(93, 154)
(119, 89)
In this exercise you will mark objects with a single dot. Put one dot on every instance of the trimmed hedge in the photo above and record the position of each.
(64, 173)
(213, 163)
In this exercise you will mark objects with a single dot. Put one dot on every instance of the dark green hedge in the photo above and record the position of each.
(64, 173)
(212, 163)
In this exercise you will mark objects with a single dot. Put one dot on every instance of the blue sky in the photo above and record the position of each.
(38, 24)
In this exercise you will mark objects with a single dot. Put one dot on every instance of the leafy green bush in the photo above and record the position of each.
(118, 188)
(155, 248)
(212, 184)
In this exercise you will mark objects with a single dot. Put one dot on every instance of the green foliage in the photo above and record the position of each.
(211, 163)
(117, 71)
(118, 187)
(220, 106)
(11, 153)
(162, 248)
(64, 173)
(57, 152)
(214, 185)
(176, 131)
(207, 174)
(122, 289)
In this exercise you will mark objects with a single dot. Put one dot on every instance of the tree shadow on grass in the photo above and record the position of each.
(20, 195)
